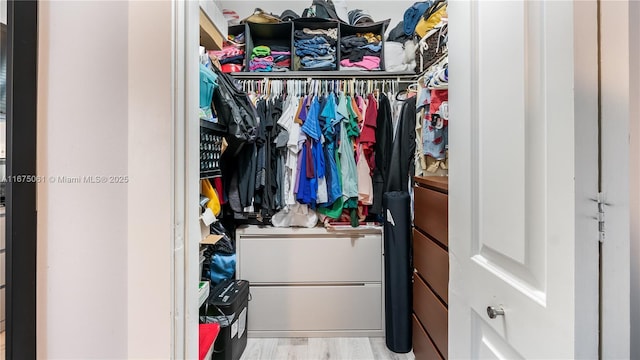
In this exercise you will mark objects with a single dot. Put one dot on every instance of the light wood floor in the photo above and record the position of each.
(320, 349)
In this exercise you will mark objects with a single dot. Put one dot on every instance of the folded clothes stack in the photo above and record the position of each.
(267, 59)
(231, 58)
(316, 49)
(236, 39)
(281, 57)
(361, 51)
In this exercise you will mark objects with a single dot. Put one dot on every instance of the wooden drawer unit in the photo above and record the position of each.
(431, 264)
(312, 282)
(431, 213)
(423, 347)
(431, 313)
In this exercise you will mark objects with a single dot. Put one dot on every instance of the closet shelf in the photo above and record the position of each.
(213, 126)
(325, 75)
(212, 36)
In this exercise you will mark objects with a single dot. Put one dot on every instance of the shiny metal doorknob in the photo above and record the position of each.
(493, 311)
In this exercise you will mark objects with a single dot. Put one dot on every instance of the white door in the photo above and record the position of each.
(523, 173)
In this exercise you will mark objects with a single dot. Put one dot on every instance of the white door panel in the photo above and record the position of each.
(488, 343)
(517, 217)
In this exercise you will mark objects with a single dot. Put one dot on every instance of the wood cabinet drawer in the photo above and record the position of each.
(312, 259)
(431, 213)
(423, 347)
(315, 308)
(432, 263)
(431, 313)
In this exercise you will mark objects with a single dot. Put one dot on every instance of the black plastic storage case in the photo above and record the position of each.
(232, 299)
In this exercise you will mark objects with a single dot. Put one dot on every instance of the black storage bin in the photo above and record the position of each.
(229, 301)
(210, 149)
(236, 29)
(377, 28)
(269, 35)
(314, 24)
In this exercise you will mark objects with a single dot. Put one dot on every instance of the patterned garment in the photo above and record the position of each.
(435, 130)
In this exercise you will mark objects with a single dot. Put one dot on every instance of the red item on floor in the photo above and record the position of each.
(207, 334)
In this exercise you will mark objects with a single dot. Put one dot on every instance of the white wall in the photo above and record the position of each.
(3, 11)
(378, 9)
(82, 228)
(104, 250)
(634, 40)
(150, 250)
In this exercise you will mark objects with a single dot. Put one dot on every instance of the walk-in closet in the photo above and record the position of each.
(323, 134)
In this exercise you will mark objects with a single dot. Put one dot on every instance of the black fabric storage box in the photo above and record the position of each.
(268, 35)
(313, 24)
(377, 28)
(232, 299)
(236, 30)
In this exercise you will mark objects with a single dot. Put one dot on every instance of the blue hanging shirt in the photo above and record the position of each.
(330, 116)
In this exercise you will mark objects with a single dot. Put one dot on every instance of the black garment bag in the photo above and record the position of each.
(397, 270)
(235, 111)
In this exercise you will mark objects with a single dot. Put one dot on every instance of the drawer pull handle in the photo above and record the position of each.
(494, 312)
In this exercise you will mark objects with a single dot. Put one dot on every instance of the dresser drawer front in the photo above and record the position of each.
(431, 213)
(316, 259)
(432, 263)
(315, 308)
(431, 313)
(423, 347)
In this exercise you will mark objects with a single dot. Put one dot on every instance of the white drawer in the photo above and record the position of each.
(315, 308)
(319, 258)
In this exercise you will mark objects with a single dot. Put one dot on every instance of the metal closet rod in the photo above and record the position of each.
(323, 75)
(277, 86)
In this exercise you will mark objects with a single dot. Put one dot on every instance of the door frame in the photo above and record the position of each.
(634, 179)
(186, 261)
(21, 215)
(616, 119)
(614, 30)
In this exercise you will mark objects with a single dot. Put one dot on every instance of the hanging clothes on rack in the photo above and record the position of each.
(383, 149)
(322, 146)
(402, 166)
(435, 129)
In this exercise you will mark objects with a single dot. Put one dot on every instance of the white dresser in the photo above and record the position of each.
(312, 282)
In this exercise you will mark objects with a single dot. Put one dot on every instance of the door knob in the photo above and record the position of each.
(494, 311)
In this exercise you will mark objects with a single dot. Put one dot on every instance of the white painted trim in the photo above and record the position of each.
(178, 270)
(586, 181)
(634, 40)
(615, 150)
(185, 80)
